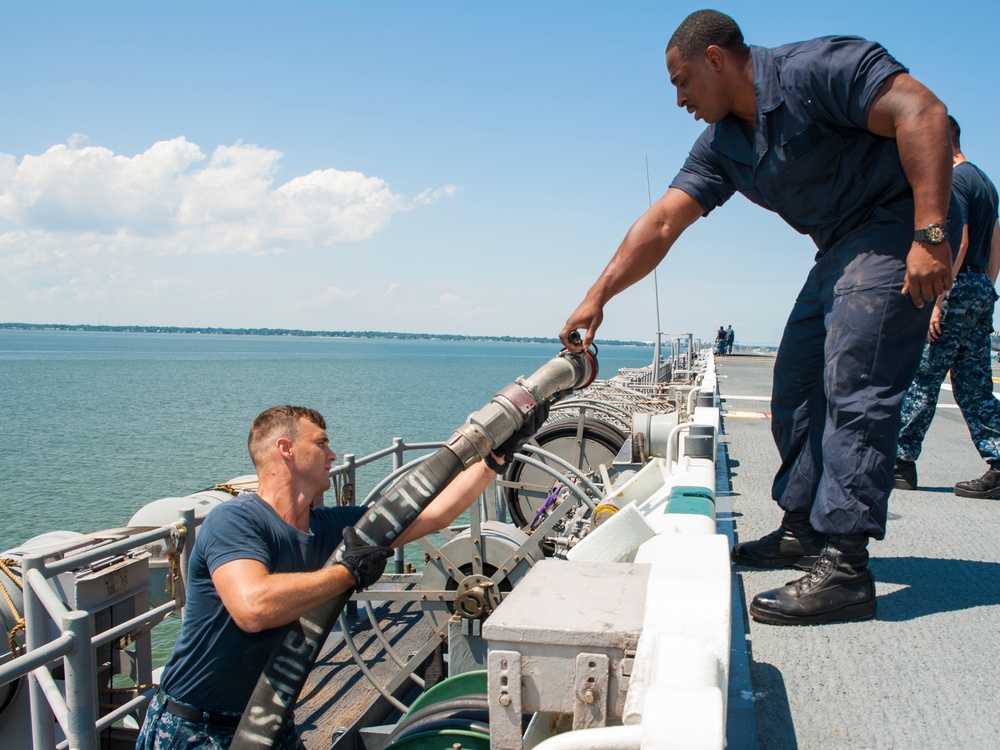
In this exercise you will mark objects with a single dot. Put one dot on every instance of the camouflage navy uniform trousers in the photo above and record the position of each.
(163, 730)
(964, 348)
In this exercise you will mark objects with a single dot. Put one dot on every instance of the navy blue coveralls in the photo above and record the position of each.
(853, 340)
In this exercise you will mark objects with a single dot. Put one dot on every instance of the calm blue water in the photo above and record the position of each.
(95, 425)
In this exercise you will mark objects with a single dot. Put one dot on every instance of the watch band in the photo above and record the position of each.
(932, 234)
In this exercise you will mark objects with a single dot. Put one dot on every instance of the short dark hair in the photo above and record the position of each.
(956, 133)
(704, 28)
(278, 422)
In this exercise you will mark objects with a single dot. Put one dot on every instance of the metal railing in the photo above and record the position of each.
(75, 707)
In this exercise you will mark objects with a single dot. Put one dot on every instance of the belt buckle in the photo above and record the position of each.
(198, 715)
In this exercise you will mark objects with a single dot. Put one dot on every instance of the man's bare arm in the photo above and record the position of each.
(963, 249)
(645, 245)
(257, 599)
(452, 501)
(993, 265)
(908, 111)
(934, 329)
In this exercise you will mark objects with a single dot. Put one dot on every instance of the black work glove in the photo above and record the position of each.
(515, 442)
(365, 561)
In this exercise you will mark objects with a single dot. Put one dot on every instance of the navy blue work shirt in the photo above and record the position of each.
(809, 157)
(977, 200)
(215, 664)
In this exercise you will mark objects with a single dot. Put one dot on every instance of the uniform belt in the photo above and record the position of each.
(212, 718)
(971, 268)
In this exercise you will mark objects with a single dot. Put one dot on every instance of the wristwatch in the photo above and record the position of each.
(933, 234)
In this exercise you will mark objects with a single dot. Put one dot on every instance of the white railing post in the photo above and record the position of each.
(81, 683)
(35, 635)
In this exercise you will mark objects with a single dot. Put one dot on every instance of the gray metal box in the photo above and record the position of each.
(563, 642)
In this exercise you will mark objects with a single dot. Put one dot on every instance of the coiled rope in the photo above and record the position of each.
(6, 565)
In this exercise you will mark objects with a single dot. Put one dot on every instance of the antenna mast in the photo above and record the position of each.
(656, 292)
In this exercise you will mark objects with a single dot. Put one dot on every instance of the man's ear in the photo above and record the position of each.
(714, 57)
(284, 446)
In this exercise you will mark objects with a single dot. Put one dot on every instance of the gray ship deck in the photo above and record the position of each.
(337, 693)
(923, 674)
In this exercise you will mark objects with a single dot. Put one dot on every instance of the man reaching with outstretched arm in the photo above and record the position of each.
(835, 136)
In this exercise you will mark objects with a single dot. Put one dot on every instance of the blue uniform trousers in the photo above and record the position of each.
(163, 730)
(847, 355)
(964, 348)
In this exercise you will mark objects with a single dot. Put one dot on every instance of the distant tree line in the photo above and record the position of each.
(299, 332)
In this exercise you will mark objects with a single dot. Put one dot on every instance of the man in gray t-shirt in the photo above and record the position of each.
(258, 565)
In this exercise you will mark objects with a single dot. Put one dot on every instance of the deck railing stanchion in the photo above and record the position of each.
(81, 683)
(351, 471)
(35, 618)
(398, 459)
(187, 518)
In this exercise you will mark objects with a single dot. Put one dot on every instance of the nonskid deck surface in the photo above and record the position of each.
(923, 674)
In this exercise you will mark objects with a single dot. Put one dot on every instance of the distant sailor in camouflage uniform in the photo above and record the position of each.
(959, 337)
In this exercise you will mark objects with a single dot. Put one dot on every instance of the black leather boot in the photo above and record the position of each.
(905, 474)
(988, 485)
(839, 588)
(794, 544)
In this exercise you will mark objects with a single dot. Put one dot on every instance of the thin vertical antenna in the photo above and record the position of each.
(656, 291)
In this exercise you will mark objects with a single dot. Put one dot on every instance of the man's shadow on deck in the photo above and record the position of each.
(932, 585)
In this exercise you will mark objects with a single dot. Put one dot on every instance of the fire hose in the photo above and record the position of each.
(278, 688)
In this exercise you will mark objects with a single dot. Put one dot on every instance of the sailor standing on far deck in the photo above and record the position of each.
(837, 138)
(720, 341)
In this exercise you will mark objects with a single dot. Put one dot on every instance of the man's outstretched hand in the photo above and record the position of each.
(587, 317)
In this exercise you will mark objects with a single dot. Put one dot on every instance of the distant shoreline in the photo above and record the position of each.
(298, 332)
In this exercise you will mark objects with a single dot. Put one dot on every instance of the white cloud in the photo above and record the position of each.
(330, 206)
(456, 306)
(77, 140)
(324, 300)
(93, 190)
(433, 196)
(168, 283)
(8, 166)
(75, 205)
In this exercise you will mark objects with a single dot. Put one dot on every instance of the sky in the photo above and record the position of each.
(427, 167)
